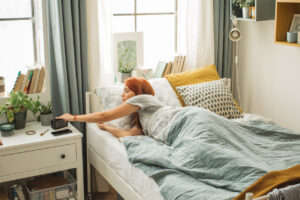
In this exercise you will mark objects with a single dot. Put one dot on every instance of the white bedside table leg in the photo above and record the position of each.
(79, 173)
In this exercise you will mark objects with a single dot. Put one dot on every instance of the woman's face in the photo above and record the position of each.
(127, 94)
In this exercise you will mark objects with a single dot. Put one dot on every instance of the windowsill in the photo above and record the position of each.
(44, 97)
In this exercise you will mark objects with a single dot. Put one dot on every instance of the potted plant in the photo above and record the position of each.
(245, 6)
(16, 108)
(126, 71)
(46, 114)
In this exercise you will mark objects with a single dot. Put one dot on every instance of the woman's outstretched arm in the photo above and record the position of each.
(105, 116)
(117, 132)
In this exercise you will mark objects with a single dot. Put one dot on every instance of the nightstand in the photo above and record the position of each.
(23, 156)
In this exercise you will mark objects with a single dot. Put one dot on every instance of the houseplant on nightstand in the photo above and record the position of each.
(16, 108)
(46, 114)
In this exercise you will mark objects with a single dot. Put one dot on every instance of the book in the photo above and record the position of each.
(181, 64)
(25, 81)
(34, 80)
(40, 83)
(18, 83)
(159, 70)
(28, 82)
(167, 69)
(174, 67)
(35, 84)
(16, 80)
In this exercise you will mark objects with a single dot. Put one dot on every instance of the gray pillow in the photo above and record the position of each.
(213, 95)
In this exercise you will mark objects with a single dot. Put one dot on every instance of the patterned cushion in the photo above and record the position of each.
(213, 95)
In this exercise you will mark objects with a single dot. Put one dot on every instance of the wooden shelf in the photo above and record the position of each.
(285, 10)
(264, 10)
(288, 43)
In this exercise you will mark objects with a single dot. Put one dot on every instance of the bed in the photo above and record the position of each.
(108, 155)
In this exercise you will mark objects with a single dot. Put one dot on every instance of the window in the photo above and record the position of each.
(21, 38)
(156, 19)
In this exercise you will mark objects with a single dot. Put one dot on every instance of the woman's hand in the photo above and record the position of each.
(102, 126)
(67, 117)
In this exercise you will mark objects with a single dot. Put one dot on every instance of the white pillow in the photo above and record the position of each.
(110, 97)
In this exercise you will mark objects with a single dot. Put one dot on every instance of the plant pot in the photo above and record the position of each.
(237, 11)
(253, 12)
(246, 12)
(20, 119)
(46, 119)
(125, 76)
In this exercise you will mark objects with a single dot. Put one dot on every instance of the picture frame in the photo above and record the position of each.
(295, 26)
(128, 50)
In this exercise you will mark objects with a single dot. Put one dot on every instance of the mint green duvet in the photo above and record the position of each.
(210, 157)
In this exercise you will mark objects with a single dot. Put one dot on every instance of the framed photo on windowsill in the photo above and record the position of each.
(128, 50)
(295, 26)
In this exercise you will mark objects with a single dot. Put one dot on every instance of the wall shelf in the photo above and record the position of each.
(285, 10)
(264, 10)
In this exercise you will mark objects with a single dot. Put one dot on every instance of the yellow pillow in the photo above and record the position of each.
(200, 75)
(207, 73)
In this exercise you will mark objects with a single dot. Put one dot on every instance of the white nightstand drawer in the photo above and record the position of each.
(38, 159)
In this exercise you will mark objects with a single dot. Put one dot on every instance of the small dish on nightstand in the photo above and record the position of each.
(7, 129)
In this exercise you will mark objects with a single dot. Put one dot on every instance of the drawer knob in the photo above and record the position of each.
(63, 156)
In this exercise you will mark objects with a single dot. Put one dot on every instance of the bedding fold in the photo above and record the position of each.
(210, 157)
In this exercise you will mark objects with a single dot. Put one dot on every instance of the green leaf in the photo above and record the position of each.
(10, 116)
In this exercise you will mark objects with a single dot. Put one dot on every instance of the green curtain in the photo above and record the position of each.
(223, 45)
(67, 43)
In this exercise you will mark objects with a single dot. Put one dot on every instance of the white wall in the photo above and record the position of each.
(269, 75)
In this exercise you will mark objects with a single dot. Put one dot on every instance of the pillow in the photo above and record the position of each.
(213, 95)
(110, 97)
(207, 73)
(164, 92)
(200, 75)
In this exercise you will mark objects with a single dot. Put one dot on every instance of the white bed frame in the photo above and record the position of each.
(116, 181)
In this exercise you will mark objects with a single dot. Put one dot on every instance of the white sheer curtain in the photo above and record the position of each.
(105, 41)
(200, 34)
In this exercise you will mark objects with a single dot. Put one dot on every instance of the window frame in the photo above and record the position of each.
(33, 20)
(135, 14)
(38, 61)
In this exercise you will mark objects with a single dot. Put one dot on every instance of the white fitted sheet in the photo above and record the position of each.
(114, 153)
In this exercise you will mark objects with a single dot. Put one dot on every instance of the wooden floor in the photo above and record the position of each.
(112, 195)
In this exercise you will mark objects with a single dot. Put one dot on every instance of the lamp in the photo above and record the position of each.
(235, 36)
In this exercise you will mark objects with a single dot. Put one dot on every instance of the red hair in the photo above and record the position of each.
(139, 86)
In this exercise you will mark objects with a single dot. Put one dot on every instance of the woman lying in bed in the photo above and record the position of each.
(203, 155)
(139, 100)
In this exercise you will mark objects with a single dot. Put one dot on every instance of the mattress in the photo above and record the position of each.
(114, 153)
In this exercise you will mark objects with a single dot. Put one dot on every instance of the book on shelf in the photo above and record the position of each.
(41, 78)
(167, 69)
(24, 81)
(18, 82)
(159, 70)
(34, 80)
(178, 64)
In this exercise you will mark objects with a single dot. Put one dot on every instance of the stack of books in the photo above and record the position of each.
(30, 83)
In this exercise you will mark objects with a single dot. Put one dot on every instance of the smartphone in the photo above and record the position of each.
(61, 132)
